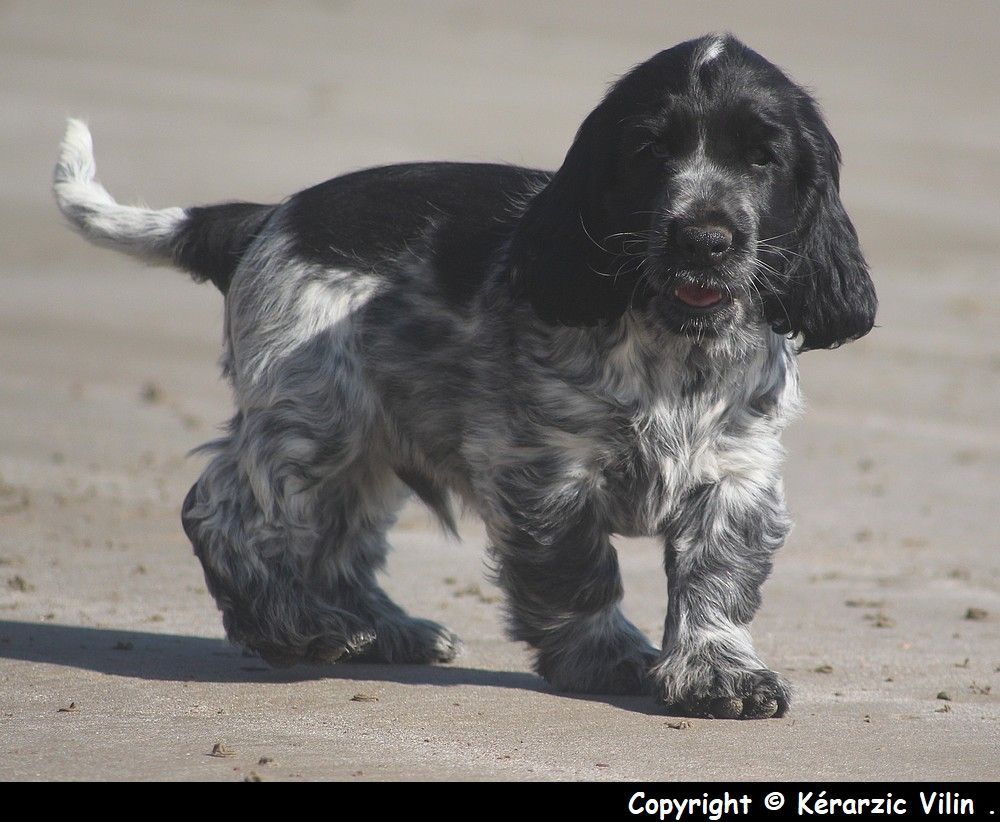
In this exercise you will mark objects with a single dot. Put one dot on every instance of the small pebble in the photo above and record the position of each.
(151, 393)
(880, 620)
(19, 583)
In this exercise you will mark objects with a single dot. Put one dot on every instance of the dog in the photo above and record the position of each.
(607, 349)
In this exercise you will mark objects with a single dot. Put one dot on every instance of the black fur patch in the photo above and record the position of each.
(458, 214)
(213, 239)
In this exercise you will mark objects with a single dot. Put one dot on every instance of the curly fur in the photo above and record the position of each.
(607, 349)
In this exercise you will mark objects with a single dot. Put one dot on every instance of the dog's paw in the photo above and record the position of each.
(322, 649)
(618, 664)
(423, 641)
(410, 641)
(332, 649)
(399, 640)
(629, 676)
(724, 694)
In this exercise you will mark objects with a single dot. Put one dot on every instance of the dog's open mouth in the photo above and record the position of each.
(698, 297)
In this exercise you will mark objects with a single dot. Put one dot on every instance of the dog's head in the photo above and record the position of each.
(704, 189)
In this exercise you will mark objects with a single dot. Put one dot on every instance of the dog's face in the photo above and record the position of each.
(704, 192)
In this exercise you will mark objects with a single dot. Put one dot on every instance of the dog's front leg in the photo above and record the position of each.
(563, 591)
(718, 555)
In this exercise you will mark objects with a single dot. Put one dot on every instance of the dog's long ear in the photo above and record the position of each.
(830, 295)
(560, 255)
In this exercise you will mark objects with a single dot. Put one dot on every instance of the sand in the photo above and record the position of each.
(113, 663)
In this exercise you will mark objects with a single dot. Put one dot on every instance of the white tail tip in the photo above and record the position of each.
(143, 232)
(76, 154)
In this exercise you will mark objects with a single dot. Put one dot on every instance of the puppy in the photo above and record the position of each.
(607, 349)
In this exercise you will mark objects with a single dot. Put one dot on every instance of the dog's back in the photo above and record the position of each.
(366, 219)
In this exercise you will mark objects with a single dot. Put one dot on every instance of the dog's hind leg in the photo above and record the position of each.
(355, 519)
(291, 539)
(257, 578)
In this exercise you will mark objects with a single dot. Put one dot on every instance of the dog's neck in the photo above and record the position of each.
(634, 360)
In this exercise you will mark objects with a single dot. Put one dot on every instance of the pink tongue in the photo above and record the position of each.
(695, 295)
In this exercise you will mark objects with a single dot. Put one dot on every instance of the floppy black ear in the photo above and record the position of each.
(830, 296)
(560, 254)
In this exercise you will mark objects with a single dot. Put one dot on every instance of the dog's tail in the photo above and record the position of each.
(206, 241)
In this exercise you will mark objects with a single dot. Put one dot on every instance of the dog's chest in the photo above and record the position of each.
(638, 428)
(681, 428)
(659, 454)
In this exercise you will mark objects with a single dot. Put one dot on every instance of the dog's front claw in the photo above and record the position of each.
(761, 704)
(756, 694)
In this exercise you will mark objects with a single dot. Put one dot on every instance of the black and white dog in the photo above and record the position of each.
(607, 349)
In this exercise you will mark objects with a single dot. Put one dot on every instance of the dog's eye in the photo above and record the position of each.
(658, 149)
(759, 156)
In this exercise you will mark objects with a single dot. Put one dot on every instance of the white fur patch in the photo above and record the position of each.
(306, 302)
(710, 51)
(322, 305)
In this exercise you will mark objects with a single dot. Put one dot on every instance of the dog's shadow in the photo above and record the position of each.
(178, 658)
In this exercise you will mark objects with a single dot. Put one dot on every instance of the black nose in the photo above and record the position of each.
(704, 244)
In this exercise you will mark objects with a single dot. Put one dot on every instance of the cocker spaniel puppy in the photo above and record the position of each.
(607, 349)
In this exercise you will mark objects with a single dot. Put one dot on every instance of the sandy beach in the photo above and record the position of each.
(884, 606)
